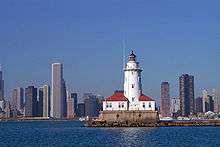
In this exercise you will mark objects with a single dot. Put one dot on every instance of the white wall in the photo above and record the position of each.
(112, 106)
(115, 105)
(147, 105)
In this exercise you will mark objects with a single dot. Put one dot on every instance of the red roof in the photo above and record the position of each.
(117, 96)
(145, 98)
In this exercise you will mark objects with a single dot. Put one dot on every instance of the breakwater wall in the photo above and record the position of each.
(196, 123)
(143, 119)
(126, 119)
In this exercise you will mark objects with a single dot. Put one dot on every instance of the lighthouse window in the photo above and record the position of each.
(133, 99)
(149, 105)
(132, 85)
(143, 105)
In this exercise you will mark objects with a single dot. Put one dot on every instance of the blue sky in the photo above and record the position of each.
(170, 38)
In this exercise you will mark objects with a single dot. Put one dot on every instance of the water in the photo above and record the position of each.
(72, 133)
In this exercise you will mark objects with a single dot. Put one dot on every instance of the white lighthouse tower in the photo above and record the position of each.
(132, 82)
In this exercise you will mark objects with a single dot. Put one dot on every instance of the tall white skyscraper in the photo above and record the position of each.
(46, 101)
(57, 91)
(18, 99)
(204, 100)
(215, 99)
(175, 105)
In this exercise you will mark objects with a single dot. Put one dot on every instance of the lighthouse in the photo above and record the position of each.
(132, 82)
(132, 97)
(129, 107)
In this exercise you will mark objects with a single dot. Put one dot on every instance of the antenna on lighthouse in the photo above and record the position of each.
(124, 51)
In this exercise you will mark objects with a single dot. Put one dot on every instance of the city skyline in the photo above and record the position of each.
(84, 41)
(109, 73)
(63, 104)
(9, 96)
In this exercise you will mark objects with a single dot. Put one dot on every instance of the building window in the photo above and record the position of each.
(119, 105)
(110, 105)
(143, 105)
(149, 105)
(122, 105)
(107, 105)
(132, 85)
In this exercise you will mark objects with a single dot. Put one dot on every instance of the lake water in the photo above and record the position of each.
(72, 133)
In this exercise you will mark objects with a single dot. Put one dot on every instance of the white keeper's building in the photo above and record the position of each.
(132, 97)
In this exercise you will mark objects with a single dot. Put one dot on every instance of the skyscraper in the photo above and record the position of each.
(205, 101)
(18, 99)
(81, 110)
(215, 99)
(64, 98)
(30, 101)
(210, 103)
(91, 105)
(165, 99)
(7, 109)
(46, 101)
(175, 106)
(100, 102)
(199, 105)
(186, 90)
(1, 85)
(57, 91)
(70, 106)
(40, 102)
(74, 96)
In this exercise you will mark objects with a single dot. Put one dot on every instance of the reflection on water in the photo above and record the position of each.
(134, 136)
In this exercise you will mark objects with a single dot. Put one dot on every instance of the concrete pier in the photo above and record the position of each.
(143, 119)
(126, 119)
